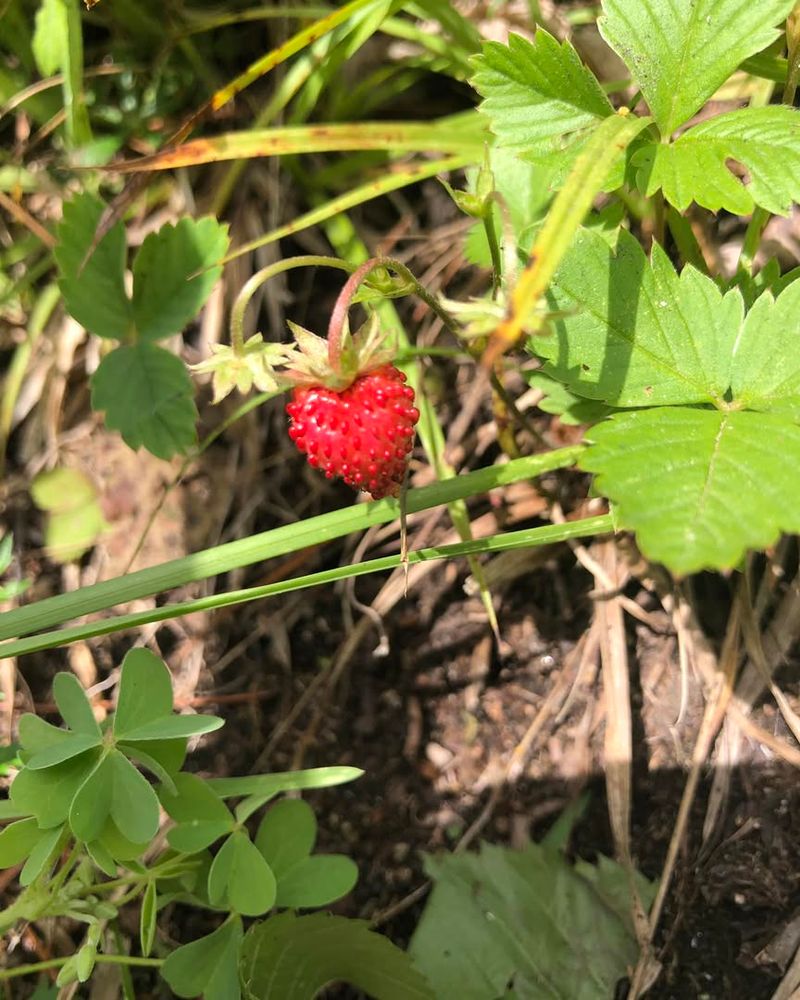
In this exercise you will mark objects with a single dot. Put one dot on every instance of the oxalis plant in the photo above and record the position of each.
(85, 829)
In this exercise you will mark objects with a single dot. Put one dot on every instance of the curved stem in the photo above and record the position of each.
(342, 306)
(253, 283)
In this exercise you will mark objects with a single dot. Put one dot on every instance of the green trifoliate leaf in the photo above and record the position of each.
(73, 745)
(699, 487)
(95, 293)
(134, 804)
(39, 855)
(147, 396)
(287, 834)
(681, 51)
(631, 332)
(17, 841)
(208, 965)
(200, 815)
(540, 99)
(74, 705)
(240, 879)
(695, 166)
(166, 296)
(277, 960)
(36, 735)
(145, 692)
(316, 881)
(91, 805)
(48, 794)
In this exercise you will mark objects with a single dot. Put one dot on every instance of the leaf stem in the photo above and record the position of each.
(252, 285)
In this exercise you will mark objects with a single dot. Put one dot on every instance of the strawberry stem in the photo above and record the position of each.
(252, 285)
(343, 302)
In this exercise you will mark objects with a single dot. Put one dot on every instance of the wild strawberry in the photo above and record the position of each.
(355, 420)
(363, 433)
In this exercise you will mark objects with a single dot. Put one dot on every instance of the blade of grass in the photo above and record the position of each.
(268, 544)
(526, 538)
(394, 137)
(608, 144)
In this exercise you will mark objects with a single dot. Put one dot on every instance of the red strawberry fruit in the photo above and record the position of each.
(363, 433)
(356, 419)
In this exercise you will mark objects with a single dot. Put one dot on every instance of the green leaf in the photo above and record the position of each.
(695, 166)
(201, 816)
(766, 361)
(74, 705)
(287, 834)
(36, 735)
(175, 727)
(145, 692)
(170, 754)
(147, 396)
(135, 752)
(165, 296)
(17, 841)
(699, 487)
(94, 296)
(134, 804)
(91, 805)
(39, 856)
(74, 745)
(285, 781)
(119, 846)
(102, 857)
(50, 37)
(558, 400)
(208, 965)
(316, 881)
(633, 333)
(240, 879)
(48, 794)
(75, 519)
(681, 51)
(540, 99)
(294, 957)
(526, 917)
(147, 918)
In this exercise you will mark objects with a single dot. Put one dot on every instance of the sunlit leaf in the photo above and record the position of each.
(695, 167)
(681, 51)
(699, 487)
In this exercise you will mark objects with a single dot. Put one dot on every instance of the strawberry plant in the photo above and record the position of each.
(676, 368)
(143, 389)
